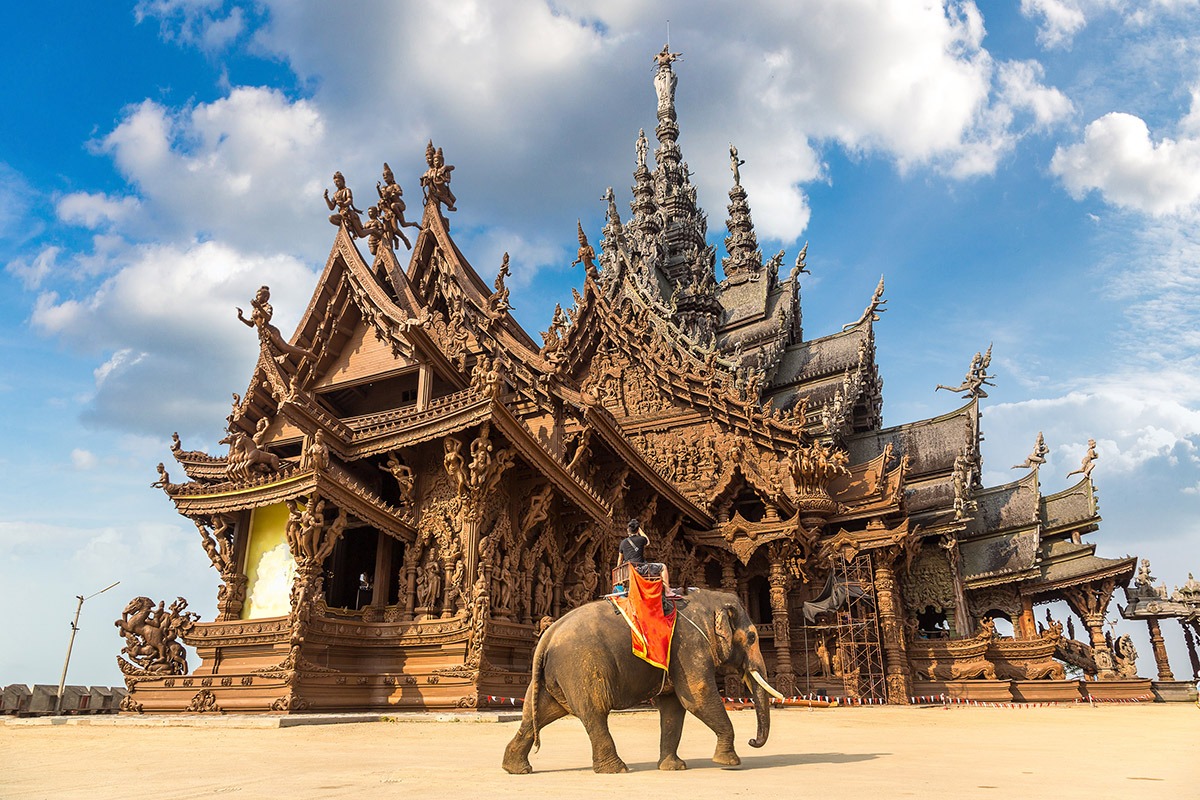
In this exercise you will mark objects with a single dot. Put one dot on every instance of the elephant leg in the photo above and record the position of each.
(516, 755)
(670, 717)
(706, 703)
(604, 749)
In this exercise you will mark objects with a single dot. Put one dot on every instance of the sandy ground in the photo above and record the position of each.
(1150, 750)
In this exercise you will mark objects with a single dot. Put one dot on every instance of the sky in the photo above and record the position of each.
(1025, 175)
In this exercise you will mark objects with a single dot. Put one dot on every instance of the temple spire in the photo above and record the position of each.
(741, 244)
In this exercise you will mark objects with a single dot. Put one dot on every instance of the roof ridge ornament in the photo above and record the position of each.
(436, 180)
(874, 309)
(977, 377)
(586, 255)
(1037, 457)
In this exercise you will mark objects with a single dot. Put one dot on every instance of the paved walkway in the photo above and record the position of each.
(1141, 751)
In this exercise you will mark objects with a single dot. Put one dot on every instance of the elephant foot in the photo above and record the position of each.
(672, 763)
(729, 759)
(610, 767)
(518, 768)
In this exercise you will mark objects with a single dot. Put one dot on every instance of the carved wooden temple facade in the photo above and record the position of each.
(414, 484)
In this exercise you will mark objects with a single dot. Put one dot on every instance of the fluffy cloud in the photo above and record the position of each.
(1060, 19)
(94, 210)
(165, 318)
(1118, 158)
(243, 169)
(31, 272)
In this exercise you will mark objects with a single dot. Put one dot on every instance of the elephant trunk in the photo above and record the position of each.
(762, 698)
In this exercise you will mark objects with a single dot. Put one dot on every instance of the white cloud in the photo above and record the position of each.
(32, 273)
(1060, 20)
(83, 459)
(1118, 158)
(166, 320)
(95, 210)
(243, 169)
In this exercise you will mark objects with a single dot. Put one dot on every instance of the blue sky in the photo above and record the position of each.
(1027, 175)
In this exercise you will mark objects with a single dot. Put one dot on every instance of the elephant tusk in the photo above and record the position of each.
(763, 683)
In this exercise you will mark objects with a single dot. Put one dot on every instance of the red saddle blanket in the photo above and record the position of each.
(642, 608)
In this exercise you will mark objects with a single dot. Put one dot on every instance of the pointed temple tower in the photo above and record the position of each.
(414, 485)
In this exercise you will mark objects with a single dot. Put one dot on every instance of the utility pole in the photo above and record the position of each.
(74, 627)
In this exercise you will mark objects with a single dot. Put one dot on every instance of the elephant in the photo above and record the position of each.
(584, 665)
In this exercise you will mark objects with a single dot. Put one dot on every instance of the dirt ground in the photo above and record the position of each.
(1128, 751)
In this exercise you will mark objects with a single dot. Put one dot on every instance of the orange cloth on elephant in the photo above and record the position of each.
(643, 610)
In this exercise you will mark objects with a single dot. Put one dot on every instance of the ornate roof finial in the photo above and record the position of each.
(436, 180)
(586, 255)
(735, 163)
(664, 81)
(1088, 462)
(1037, 457)
(801, 264)
(343, 202)
(977, 377)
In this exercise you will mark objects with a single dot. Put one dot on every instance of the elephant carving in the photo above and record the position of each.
(583, 665)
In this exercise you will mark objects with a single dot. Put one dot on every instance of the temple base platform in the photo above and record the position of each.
(1174, 691)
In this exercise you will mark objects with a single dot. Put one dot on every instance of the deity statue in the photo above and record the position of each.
(164, 480)
(586, 255)
(642, 147)
(317, 455)
(404, 478)
(977, 377)
(664, 79)
(392, 207)
(268, 334)
(735, 163)
(436, 180)
(1038, 456)
(343, 202)
(1088, 462)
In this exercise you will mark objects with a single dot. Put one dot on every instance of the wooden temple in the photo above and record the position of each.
(414, 485)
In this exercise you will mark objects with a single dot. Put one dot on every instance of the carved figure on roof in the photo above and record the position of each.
(164, 480)
(977, 377)
(343, 201)
(1038, 456)
(377, 232)
(176, 445)
(317, 455)
(642, 146)
(963, 467)
(497, 304)
(1144, 578)
(268, 335)
(801, 264)
(586, 255)
(391, 205)
(1089, 461)
(873, 310)
(244, 457)
(436, 180)
(260, 431)
(735, 164)
(664, 79)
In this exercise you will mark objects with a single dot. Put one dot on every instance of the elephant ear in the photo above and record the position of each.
(724, 635)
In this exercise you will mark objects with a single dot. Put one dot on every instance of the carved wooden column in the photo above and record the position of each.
(424, 387)
(408, 586)
(1190, 641)
(1160, 650)
(382, 578)
(729, 582)
(1090, 602)
(778, 579)
(1028, 625)
(887, 595)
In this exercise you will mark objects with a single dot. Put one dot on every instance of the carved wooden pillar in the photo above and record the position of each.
(887, 594)
(778, 579)
(1028, 625)
(383, 563)
(1190, 641)
(729, 582)
(1090, 602)
(424, 387)
(409, 586)
(1160, 650)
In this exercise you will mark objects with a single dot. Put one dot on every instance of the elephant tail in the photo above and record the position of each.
(535, 685)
